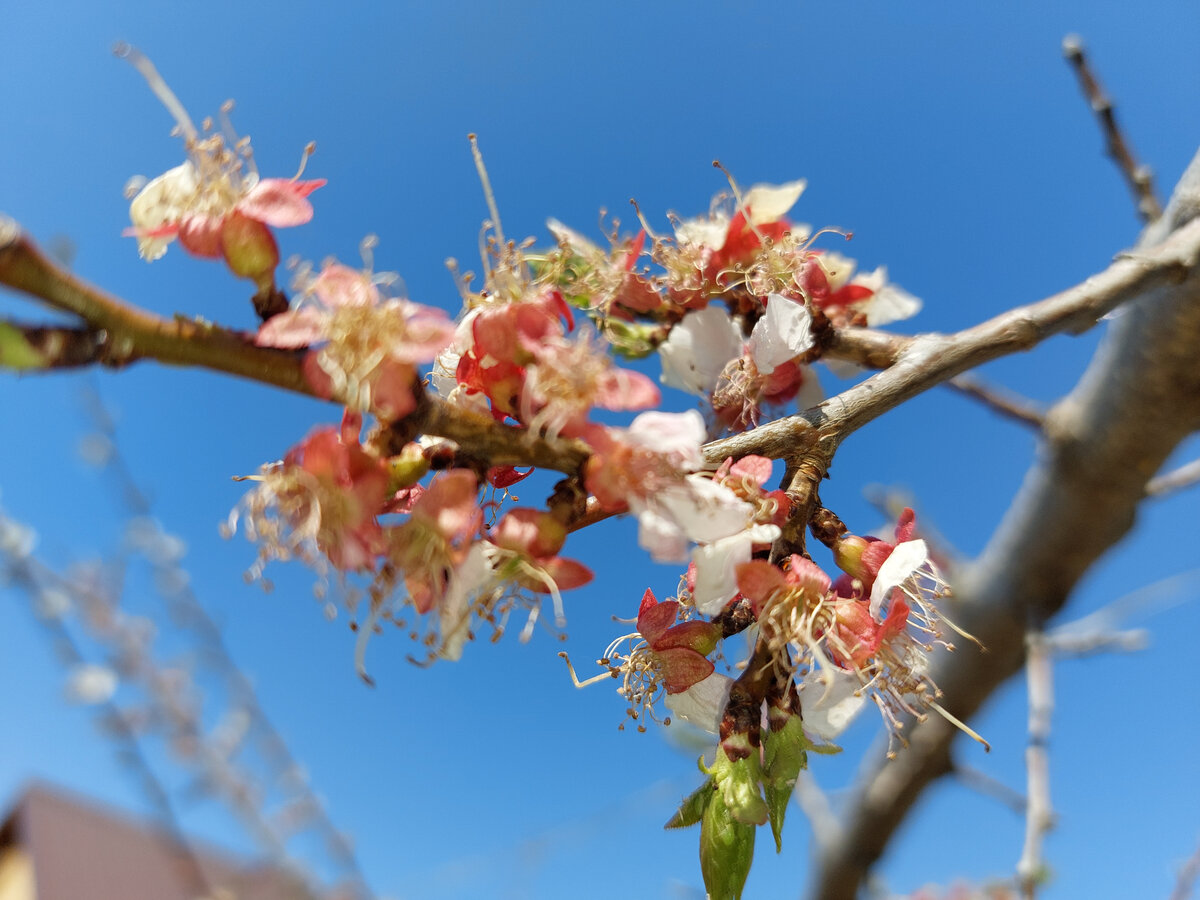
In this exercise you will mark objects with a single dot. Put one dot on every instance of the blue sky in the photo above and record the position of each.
(949, 138)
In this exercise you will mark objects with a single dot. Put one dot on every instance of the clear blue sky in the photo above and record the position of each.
(949, 137)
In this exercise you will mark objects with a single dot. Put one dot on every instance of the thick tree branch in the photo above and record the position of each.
(1139, 397)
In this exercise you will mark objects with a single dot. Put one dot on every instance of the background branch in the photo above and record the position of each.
(1139, 397)
(1139, 177)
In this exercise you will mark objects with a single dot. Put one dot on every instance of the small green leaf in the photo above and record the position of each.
(16, 352)
(726, 851)
(785, 755)
(691, 810)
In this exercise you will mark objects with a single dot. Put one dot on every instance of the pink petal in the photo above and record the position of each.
(280, 202)
(566, 574)
(626, 389)
(201, 236)
(756, 467)
(758, 580)
(392, 390)
(339, 285)
(294, 328)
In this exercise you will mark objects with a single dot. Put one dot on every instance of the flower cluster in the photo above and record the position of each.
(866, 634)
(739, 305)
(215, 203)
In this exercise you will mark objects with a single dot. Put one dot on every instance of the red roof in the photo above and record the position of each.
(80, 851)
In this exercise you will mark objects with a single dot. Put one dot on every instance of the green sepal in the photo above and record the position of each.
(631, 340)
(16, 352)
(691, 810)
(785, 755)
(738, 781)
(726, 851)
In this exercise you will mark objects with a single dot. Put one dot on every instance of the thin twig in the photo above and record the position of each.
(30, 576)
(186, 608)
(1006, 403)
(1185, 879)
(816, 807)
(1039, 816)
(982, 783)
(1082, 645)
(1175, 480)
(1139, 177)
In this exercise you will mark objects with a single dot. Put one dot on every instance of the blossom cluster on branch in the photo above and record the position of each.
(738, 304)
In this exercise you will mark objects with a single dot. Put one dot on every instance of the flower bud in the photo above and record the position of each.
(407, 467)
(250, 249)
(726, 851)
(847, 553)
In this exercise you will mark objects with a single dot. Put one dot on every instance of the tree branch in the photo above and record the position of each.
(1039, 815)
(928, 360)
(1011, 406)
(1139, 397)
(1139, 177)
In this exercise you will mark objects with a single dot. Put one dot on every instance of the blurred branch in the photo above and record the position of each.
(1175, 480)
(1006, 403)
(1039, 815)
(24, 347)
(1138, 399)
(302, 807)
(35, 580)
(815, 804)
(1078, 646)
(1139, 177)
(1185, 880)
(983, 783)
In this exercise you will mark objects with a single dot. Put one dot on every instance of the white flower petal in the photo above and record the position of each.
(89, 683)
(829, 702)
(783, 333)
(708, 231)
(716, 566)
(657, 534)
(771, 202)
(698, 348)
(572, 238)
(680, 434)
(891, 303)
(703, 704)
(455, 610)
(905, 560)
(164, 199)
(704, 510)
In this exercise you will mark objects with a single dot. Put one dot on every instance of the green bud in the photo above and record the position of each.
(250, 249)
(691, 810)
(726, 851)
(847, 553)
(407, 467)
(738, 781)
(632, 340)
(16, 352)
(785, 755)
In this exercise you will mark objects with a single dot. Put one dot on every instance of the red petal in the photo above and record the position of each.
(654, 620)
(757, 580)
(695, 635)
(567, 574)
(681, 668)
